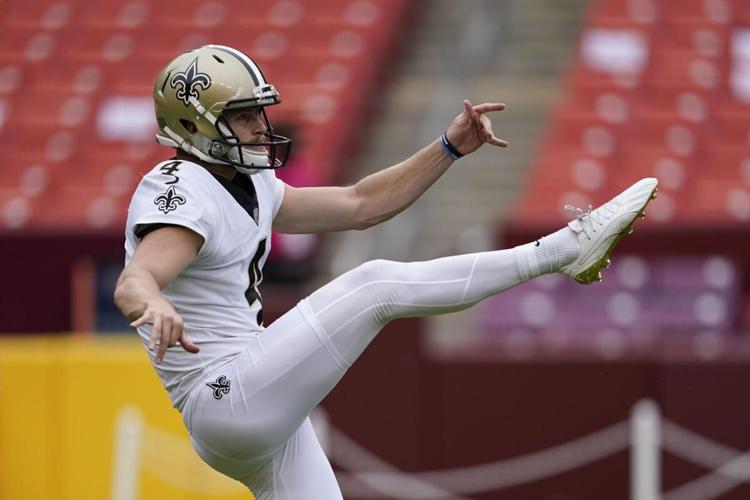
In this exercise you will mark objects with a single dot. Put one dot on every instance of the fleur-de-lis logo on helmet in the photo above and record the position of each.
(186, 83)
(168, 201)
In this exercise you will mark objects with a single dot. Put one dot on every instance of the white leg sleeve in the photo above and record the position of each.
(354, 307)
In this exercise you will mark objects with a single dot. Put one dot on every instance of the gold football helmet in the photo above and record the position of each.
(197, 87)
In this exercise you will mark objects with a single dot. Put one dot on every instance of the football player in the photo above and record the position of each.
(198, 233)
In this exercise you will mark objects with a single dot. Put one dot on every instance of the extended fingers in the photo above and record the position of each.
(187, 344)
(164, 339)
(155, 333)
(489, 106)
(488, 136)
(145, 318)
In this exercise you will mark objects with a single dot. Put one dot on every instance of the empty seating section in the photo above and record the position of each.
(658, 88)
(658, 299)
(76, 124)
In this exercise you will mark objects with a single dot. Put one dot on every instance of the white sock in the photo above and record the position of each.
(548, 254)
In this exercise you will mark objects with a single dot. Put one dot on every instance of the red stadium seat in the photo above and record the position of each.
(55, 108)
(676, 103)
(43, 16)
(681, 138)
(597, 137)
(684, 68)
(73, 79)
(81, 209)
(28, 45)
(166, 42)
(601, 103)
(703, 37)
(14, 78)
(635, 11)
(117, 15)
(198, 14)
(734, 129)
(724, 162)
(674, 172)
(39, 143)
(16, 209)
(30, 179)
(720, 201)
(715, 11)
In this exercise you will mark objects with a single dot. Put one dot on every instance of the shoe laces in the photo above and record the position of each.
(591, 218)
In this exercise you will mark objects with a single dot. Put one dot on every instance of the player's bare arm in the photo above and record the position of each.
(384, 194)
(157, 261)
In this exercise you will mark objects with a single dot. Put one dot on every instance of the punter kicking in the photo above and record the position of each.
(197, 236)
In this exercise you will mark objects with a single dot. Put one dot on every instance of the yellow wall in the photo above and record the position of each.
(59, 403)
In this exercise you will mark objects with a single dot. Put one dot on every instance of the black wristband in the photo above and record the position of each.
(449, 148)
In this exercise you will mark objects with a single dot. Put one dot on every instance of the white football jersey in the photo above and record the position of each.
(217, 294)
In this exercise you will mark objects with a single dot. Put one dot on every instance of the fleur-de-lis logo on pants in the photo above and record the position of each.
(166, 202)
(220, 387)
(188, 82)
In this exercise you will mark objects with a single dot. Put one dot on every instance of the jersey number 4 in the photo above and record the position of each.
(256, 276)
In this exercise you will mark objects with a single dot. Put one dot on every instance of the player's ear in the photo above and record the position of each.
(189, 126)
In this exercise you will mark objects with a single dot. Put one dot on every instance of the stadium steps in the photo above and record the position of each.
(532, 43)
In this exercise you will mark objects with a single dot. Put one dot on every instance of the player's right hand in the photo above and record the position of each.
(167, 327)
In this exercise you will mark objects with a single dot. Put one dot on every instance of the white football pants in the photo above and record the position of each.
(259, 432)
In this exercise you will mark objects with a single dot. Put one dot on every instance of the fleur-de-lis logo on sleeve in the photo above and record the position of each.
(169, 200)
(188, 82)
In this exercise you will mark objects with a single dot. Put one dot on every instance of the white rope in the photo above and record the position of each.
(485, 477)
(730, 467)
(170, 458)
(352, 456)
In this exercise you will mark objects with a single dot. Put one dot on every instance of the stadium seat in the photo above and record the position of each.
(635, 11)
(675, 173)
(163, 42)
(29, 179)
(679, 103)
(704, 37)
(73, 79)
(27, 45)
(55, 107)
(714, 11)
(118, 15)
(196, 14)
(42, 16)
(597, 137)
(727, 163)
(100, 46)
(16, 209)
(39, 143)
(704, 293)
(601, 102)
(683, 139)
(82, 210)
(684, 68)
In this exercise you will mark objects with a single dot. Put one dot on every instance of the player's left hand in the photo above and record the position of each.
(472, 128)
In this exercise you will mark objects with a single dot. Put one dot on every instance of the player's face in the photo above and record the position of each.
(247, 124)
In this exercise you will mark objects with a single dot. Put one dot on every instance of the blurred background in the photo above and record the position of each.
(633, 388)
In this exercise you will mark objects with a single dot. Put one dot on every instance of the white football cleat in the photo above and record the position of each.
(600, 230)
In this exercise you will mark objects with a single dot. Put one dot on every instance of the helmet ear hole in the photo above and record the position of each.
(189, 126)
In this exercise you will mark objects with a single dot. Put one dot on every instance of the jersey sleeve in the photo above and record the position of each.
(278, 198)
(177, 198)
